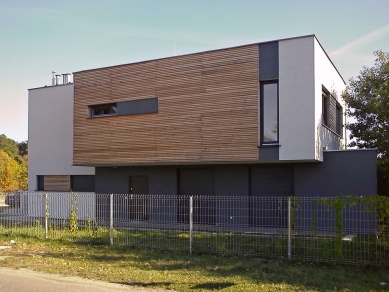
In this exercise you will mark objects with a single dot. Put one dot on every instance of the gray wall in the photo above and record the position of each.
(351, 172)
(268, 61)
(162, 179)
(232, 180)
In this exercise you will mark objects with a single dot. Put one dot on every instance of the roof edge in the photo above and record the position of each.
(202, 52)
(51, 86)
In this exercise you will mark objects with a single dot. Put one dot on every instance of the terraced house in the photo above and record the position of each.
(263, 119)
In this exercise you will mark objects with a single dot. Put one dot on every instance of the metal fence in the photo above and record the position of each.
(341, 229)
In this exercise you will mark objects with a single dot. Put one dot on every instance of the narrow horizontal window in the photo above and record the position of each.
(139, 106)
(103, 110)
(125, 108)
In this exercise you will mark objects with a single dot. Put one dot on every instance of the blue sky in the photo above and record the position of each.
(39, 36)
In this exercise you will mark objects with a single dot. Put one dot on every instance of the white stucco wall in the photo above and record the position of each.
(296, 99)
(50, 134)
(304, 68)
(326, 75)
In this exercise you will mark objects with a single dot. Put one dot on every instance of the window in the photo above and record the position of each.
(125, 108)
(339, 119)
(103, 110)
(41, 182)
(332, 112)
(324, 106)
(269, 112)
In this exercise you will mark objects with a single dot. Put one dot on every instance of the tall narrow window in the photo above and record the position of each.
(324, 106)
(339, 119)
(269, 112)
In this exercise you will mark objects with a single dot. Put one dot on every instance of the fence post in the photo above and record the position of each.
(111, 219)
(190, 224)
(289, 228)
(46, 217)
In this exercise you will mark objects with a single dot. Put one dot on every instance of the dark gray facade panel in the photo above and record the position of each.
(141, 106)
(269, 153)
(270, 181)
(161, 179)
(198, 182)
(111, 180)
(268, 61)
(83, 183)
(232, 180)
(342, 172)
(352, 172)
(139, 184)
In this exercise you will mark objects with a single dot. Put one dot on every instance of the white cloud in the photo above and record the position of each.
(351, 57)
(361, 42)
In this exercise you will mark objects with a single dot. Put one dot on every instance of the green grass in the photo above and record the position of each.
(183, 272)
(361, 250)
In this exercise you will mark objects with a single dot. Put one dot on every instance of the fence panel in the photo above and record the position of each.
(341, 229)
(150, 221)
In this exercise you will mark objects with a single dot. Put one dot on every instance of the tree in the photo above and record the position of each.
(367, 97)
(23, 148)
(9, 173)
(9, 146)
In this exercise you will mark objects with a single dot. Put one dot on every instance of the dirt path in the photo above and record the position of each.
(24, 280)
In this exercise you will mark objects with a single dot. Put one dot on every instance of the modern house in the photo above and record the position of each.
(263, 119)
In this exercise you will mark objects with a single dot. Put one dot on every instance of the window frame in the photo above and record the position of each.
(261, 95)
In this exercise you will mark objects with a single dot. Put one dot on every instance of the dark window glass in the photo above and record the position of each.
(324, 108)
(269, 112)
(339, 118)
(41, 182)
(103, 110)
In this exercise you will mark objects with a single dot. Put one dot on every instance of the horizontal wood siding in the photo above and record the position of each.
(57, 183)
(208, 110)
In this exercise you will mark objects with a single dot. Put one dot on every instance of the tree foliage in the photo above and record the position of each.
(9, 146)
(368, 99)
(13, 165)
(23, 148)
(9, 173)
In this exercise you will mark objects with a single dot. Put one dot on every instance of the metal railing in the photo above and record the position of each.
(341, 229)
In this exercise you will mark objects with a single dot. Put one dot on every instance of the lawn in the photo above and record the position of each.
(180, 271)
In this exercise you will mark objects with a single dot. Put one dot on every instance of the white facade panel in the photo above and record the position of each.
(50, 134)
(326, 75)
(296, 99)
(60, 205)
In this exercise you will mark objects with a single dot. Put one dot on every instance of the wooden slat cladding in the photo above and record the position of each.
(207, 110)
(57, 183)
